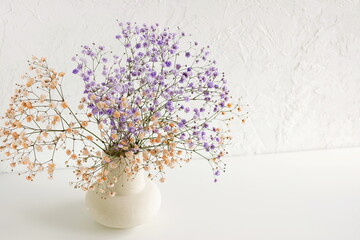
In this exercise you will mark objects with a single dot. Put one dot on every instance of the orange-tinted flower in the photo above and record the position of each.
(30, 82)
(53, 84)
(64, 105)
(57, 118)
(85, 152)
(42, 98)
(137, 114)
(51, 168)
(15, 135)
(29, 118)
(114, 136)
(29, 105)
(93, 97)
(31, 165)
(84, 123)
(52, 105)
(116, 114)
(38, 148)
(106, 159)
(129, 154)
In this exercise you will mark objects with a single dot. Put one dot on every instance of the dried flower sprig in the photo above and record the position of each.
(150, 108)
(37, 120)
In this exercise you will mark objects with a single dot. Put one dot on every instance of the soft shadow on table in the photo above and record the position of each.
(71, 216)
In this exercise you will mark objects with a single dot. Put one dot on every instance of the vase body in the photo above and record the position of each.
(136, 201)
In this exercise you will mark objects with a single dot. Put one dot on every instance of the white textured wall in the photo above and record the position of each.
(297, 63)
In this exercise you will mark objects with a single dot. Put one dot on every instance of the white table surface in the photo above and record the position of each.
(307, 196)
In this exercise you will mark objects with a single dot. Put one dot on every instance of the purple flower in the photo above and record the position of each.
(133, 110)
(75, 71)
(182, 136)
(153, 74)
(79, 66)
(168, 63)
(169, 106)
(206, 146)
(123, 119)
(197, 112)
(182, 123)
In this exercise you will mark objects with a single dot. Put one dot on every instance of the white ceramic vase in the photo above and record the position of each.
(136, 202)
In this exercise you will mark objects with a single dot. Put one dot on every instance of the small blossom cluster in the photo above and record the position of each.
(35, 122)
(39, 119)
(158, 97)
(158, 103)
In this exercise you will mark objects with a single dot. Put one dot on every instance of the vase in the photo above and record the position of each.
(136, 201)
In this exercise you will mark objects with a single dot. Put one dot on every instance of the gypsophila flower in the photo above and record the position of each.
(160, 102)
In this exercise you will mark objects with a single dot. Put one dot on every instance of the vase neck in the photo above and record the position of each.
(124, 184)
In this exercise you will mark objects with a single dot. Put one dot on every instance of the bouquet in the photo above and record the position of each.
(156, 104)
